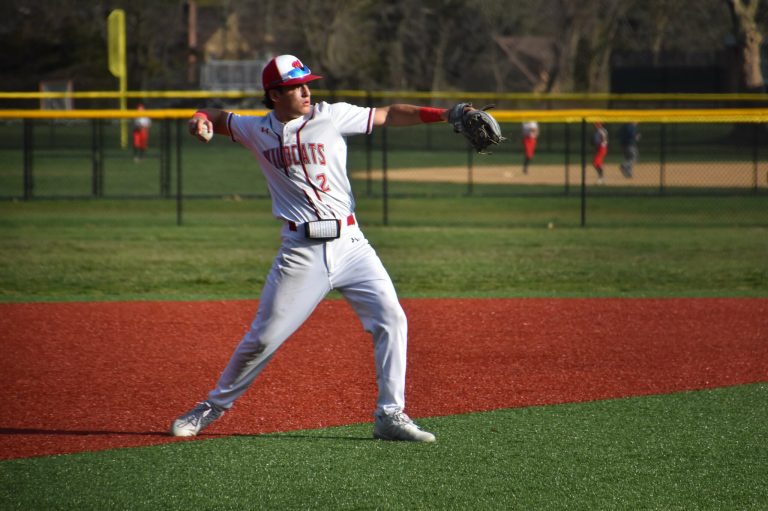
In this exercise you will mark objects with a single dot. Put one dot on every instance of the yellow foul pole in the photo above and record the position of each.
(116, 47)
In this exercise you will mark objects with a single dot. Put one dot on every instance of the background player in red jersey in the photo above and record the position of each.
(141, 127)
(600, 143)
(530, 136)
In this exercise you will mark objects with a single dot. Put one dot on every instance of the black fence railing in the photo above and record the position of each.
(82, 159)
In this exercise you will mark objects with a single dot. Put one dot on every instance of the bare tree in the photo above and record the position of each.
(584, 37)
(336, 35)
(517, 56)
(749, 38)
(482, 45)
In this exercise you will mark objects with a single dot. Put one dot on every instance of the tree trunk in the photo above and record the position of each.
(743, 13)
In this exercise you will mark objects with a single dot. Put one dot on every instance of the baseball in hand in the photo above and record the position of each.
(205, 134)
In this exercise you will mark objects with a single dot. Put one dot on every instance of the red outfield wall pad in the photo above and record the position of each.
(90, 376)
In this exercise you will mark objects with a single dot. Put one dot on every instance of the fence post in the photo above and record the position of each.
(567, 156)
(100, 140)
(169, 159)
(470, 180)
(755, 145)
(369, 153)
(548, 133)
(662, 157)
(384, 178)
(29, 181)
(94, 161)
(178, 172)
(97, 159)
(583, 172)
(164, 158)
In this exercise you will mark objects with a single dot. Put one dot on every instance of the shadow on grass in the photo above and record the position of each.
(165, 434)
(299, 436)
(74, 432)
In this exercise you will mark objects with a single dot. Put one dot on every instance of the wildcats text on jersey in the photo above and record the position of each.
(296, 154)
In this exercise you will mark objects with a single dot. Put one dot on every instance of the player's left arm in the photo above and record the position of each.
(408, 115)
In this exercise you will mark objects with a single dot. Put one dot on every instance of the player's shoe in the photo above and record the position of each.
(398, 426)
(197, 419)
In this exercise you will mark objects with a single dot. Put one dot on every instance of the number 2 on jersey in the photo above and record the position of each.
(323, 182)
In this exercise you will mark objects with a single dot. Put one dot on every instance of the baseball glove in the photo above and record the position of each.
(478, 126)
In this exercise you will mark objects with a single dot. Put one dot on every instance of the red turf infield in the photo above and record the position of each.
(90, 376)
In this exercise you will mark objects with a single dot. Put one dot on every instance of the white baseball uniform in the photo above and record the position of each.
(304, 162)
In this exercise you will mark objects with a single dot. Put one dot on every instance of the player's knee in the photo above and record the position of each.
(253, 345)
(393, 316)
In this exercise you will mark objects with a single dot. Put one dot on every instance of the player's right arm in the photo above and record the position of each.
(407, 115)
(213, 119)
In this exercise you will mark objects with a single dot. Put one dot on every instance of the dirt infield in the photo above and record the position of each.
(91, 376)
(690, 174)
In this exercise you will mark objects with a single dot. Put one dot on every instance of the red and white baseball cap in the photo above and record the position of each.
(285, 70)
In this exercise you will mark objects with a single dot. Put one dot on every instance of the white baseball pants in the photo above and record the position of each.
(302, 274)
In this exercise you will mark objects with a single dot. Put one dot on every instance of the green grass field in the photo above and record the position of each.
(111, 250)
(697, 450)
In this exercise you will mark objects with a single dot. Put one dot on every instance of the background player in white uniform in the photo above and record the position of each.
(302, 152)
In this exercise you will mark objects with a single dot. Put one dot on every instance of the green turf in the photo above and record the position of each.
(107, 250)
(694, 450)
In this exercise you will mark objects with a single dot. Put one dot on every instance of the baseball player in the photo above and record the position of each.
(530, 136)
(600, 143)
(140, 134)
(628, 137)
(302, 152)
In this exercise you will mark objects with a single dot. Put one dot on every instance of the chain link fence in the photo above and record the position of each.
(714, 172)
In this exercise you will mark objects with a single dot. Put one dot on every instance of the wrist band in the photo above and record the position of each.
(429, 114)
(202, 114)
